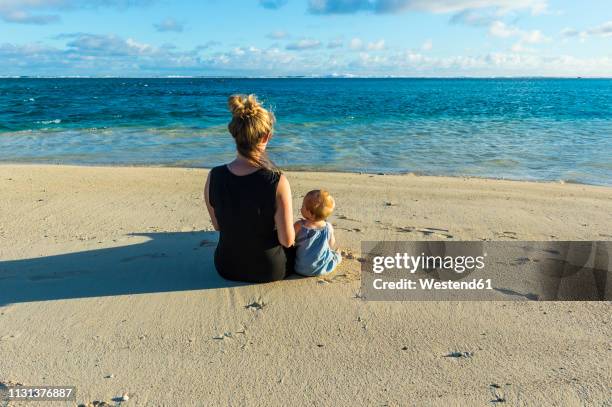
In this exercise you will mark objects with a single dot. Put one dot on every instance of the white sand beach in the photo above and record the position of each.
(107, 284)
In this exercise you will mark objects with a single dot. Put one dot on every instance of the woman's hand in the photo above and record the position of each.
(283, 218)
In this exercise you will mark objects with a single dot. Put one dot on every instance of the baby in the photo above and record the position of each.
(314, 237)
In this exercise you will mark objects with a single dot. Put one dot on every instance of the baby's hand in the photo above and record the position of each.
(297, 226)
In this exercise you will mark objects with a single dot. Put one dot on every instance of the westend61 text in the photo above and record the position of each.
(432, 284)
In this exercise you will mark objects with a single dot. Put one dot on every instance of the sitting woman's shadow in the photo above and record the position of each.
(156, 262)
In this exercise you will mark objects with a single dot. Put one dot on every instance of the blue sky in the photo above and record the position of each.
(306, 37)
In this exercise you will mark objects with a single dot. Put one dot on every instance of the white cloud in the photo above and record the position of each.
(427, 45)
(107, 45)
(502, 30)
(604, 30)
(45, 11)
(169, 24)
(356, 44)
(435, 6)
(413, 57)
(376, 45)
(303, 44)
(278, 35)
(474, 18)
(139, 47)
(520, 47)
(368, 60)
(410, 63)
(93, 54)
(336, 43)
(533, 37)
(206, 45)
(570, 32)
(22, 17)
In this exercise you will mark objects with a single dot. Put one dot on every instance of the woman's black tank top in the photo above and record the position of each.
(248, 248)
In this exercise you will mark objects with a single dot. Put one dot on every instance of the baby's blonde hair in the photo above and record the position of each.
(320, 203)
(250, 124)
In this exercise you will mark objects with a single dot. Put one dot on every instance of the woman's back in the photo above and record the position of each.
(244, 206)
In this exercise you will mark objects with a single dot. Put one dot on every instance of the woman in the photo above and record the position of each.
(249, 201)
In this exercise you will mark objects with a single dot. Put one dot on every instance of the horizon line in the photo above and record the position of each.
(297, 77)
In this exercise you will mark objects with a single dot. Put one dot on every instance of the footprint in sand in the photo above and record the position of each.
(9, 383)
(497, 398)
(429, 231)
(507, 291)
(256, 305)
(506, 235)
(222, 337)
(97, 403)
(349, 230)
(438, 232)
(5, 310)
(344, 276)
(405, 229)
(523, 260)
(458, 355)
(207, 243)
(10, 337)
(344, 217)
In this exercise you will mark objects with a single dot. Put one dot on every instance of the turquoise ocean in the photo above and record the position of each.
(524, 129)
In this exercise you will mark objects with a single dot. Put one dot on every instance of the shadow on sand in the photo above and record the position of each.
(165, 262)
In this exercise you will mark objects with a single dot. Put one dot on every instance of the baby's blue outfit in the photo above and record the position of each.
(314, 257)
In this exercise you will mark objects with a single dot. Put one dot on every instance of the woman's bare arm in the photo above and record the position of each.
(211, 210)
(284, 213)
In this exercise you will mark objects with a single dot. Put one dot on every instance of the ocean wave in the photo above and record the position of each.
(55, 121)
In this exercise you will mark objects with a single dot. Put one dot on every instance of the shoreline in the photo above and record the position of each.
(307, 170)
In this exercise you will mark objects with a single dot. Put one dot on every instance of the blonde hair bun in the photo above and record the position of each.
(243, 106)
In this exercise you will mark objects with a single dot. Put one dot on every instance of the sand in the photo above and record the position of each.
(107, 284)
